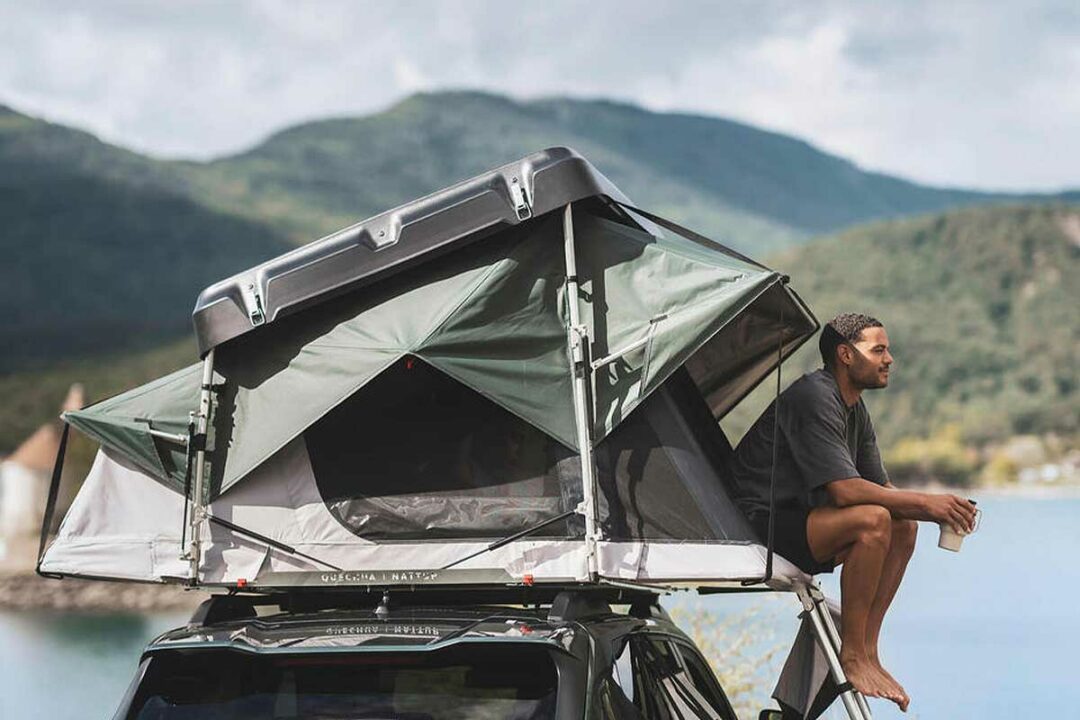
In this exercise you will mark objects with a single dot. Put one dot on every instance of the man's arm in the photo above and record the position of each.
(908, 504)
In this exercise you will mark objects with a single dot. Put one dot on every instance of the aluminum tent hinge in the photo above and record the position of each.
(622, 352)
(591, 539)
(520, 196)
(176, 438)
(198, 515)
(253, 305)
(608, 359)
(579, 336)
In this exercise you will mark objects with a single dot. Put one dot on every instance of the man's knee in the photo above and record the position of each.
(904, 533)
(875, 525)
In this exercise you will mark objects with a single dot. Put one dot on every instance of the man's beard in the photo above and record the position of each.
(869, 378)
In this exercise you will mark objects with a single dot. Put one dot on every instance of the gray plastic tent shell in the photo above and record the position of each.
(391, 241)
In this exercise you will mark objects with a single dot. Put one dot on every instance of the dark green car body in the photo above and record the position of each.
(572, 659)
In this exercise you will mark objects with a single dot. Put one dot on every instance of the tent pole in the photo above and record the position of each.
(198, 514)
(814, 604)
(579, 340)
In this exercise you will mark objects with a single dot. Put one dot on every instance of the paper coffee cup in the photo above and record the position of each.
(951, 540)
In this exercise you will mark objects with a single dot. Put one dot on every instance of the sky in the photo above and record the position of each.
(971, 94)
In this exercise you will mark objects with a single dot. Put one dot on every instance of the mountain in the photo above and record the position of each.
(106, 249)
(756, 190)
(982, 311)
(109, 248)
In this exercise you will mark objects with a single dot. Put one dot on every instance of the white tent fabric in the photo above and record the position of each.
(122, 524)
(126, 525)
(692, 563)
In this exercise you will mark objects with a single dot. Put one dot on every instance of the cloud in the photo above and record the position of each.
(968, 94)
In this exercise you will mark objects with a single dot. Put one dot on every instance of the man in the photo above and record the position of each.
(833, 500)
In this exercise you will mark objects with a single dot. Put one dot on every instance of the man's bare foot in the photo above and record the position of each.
(863, 676)
(896, 691)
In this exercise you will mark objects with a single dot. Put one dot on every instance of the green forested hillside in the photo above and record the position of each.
(756, 190)
(111, 247)
(104, 251)
(317, 177)
(33, 396)
(107, 248)
(982, 310)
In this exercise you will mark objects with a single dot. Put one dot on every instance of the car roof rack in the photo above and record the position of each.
(565, 602)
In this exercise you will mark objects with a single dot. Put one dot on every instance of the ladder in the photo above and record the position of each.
(813, 602)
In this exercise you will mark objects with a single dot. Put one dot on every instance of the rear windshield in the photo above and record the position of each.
(511, 682)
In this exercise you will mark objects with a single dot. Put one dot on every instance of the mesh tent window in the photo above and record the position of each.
(417, 455)
(662, 473)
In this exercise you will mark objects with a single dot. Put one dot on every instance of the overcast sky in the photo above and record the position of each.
(979, 94)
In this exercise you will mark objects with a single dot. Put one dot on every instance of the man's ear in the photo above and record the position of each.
(844, 354)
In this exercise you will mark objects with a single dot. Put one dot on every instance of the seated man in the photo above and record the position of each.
(833, 500)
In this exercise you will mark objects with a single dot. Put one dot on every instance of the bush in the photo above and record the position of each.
(942, 458)
(741, 650)
(999, 470)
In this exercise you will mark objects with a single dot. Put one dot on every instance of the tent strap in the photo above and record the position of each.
(691, 235)
(775, 443)
(50, 503)
(270, 542)
(771, 533)
(516, 536)
(190, 462)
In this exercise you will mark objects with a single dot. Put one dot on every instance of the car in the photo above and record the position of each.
(516, 654)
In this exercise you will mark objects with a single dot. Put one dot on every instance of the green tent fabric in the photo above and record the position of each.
(671, 293)
(123, 422)
(492, 315)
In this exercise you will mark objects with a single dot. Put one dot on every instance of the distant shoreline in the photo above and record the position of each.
(27, 592)
(1027, 492)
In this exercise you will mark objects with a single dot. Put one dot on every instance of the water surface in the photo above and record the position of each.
(987, 633)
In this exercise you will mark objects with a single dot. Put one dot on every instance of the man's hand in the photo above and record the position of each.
(956, 511)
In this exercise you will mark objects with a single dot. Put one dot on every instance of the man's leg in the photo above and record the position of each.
(901, 548)
(862, 534)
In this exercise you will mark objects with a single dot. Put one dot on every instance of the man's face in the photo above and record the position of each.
(868, 358)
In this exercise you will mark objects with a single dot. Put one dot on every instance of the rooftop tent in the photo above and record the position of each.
(392, 399)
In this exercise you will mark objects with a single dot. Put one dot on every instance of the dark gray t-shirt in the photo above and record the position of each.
(820, 440)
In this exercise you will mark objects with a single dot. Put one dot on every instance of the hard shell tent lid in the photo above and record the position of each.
(473, 289)
(393, 240)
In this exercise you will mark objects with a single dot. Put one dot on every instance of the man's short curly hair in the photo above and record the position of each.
(844, 328)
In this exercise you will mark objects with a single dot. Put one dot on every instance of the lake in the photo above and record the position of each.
(987, 633)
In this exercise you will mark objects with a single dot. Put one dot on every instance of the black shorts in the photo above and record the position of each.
(789, 537)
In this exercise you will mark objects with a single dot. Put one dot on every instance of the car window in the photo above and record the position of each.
(663, 687)
(623, 672)
(614, 705)
(704, 681)
(673, 682)
(465, 682)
